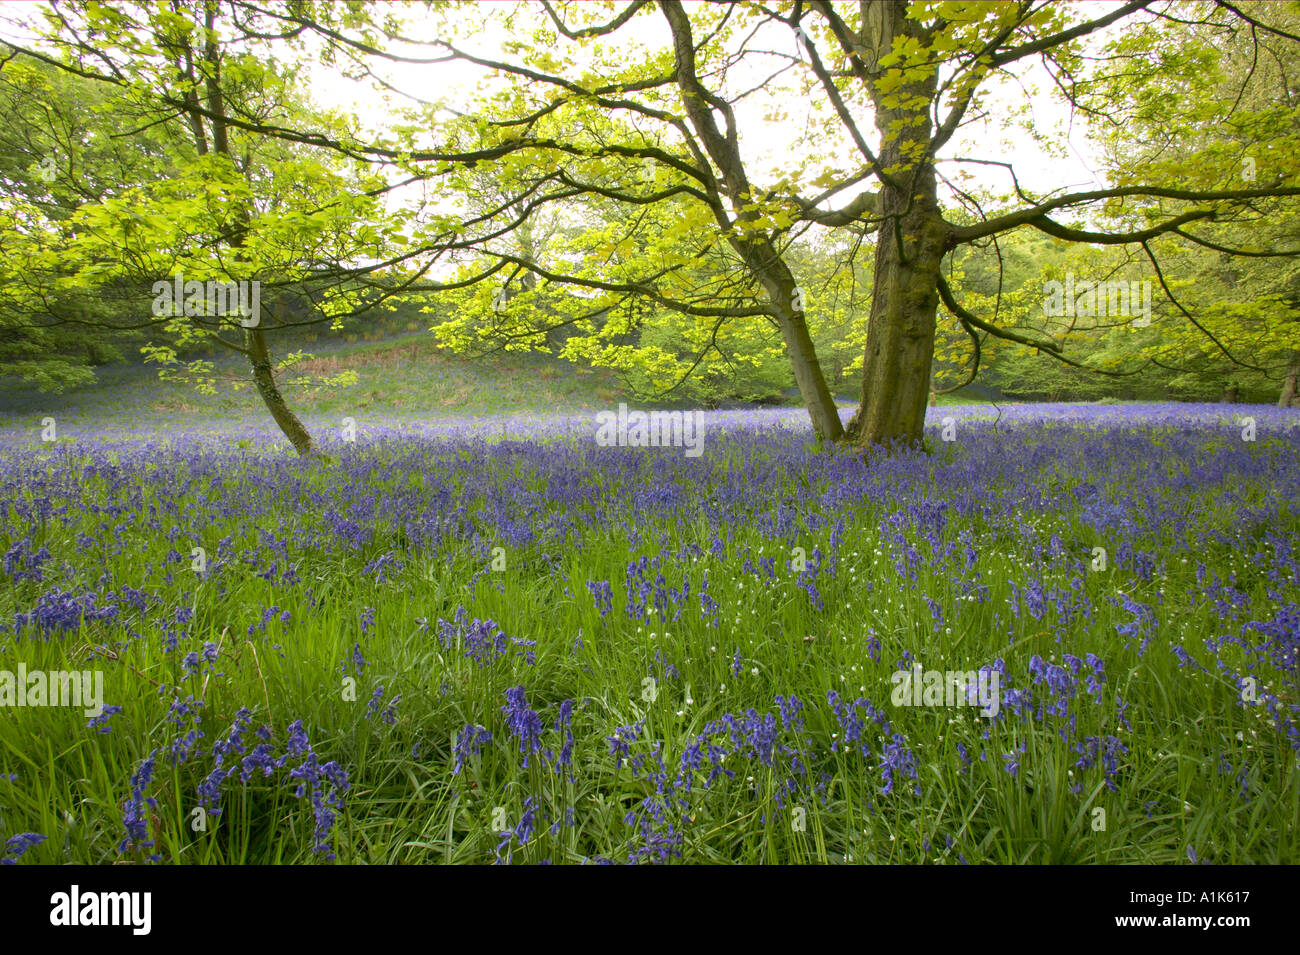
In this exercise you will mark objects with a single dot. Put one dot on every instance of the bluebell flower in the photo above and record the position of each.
(620, 742)
(134, 819)
(469, 742)
(521, 833)
(15, 846)
(563, 723)
(524, 724)
(101, 722)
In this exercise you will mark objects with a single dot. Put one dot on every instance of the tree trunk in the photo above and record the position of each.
(260, 359)
(910, 245)
(757, 251)
(1290, 396)
(900, 331)
(817, 397)
(254, 338)
(1230, 394)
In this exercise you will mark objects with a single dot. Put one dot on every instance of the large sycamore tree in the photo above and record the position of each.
(889, 85)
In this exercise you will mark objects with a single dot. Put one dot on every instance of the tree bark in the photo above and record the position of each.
(901, 328)
(910, 246)
(817, 398)
(264, 378)
(1290, 396)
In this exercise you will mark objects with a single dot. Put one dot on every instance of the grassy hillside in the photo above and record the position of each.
(403, 375)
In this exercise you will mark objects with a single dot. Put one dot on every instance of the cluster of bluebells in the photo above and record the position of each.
(58, 611)
(646, 596)
(603, 595)
(135, 810)
(387, 713)
(563, 760)
(186, 716)
(17, 845)
(243, 755)
(522, 832)
(1141, 622)
(522, 722)
(269, 614)
(1053, 701)
(482, 640)
(382, 566)
(356, 660)
(469, 743)
(708, 606)
(1107, 749)
(200, 662)
(172, 634)
(896, 757)
(21, 562)
(103, 722)
(771, 741)
(531, 818)
(807, 579)
(1242, 657)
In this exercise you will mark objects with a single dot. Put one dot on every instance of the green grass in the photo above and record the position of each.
(406, 375)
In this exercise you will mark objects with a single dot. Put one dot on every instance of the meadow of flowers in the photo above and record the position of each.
(484, 641)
